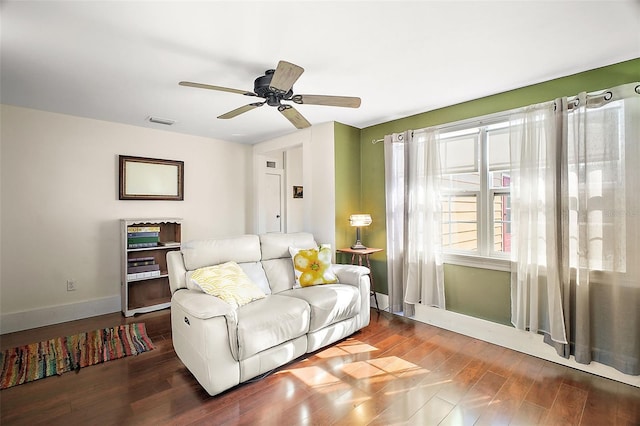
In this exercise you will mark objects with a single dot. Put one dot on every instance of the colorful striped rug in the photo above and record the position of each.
(56, 356)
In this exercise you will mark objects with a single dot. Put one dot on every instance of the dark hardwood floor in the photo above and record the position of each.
(396, 371)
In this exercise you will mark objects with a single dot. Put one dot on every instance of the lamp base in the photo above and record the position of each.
(358, 246)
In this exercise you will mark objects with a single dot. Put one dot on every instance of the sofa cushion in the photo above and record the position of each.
(228, 282)
(279, 273)
(330, 303)
(256, 273)
(201, 253)
(269, 322)
(276, 246)
(312, 266)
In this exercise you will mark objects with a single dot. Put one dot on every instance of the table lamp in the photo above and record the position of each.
(359, 220)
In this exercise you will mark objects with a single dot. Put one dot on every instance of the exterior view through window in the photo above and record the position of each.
(476, 208)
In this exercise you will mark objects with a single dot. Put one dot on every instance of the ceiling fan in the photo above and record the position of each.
(276, 86)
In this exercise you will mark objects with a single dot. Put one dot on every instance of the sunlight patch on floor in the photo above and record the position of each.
(356, 347)
(362, 370)
(318, 379)
(397, 366)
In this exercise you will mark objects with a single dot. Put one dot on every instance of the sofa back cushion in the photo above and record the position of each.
(200, 253)
(279, 272)
(276, 246)
(255, 272)
(244, 250)
(276, 258)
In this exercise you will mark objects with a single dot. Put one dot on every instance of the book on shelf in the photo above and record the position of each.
(143, 229)
(143, 268)
(142, 234)
(169, 243)
(141, 275)
(139, 261)
(136, 240)
(142, 245)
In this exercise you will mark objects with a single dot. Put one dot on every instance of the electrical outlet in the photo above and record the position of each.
(71, 285)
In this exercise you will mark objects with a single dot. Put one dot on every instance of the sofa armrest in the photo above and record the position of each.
(350, 274)
(176, 270)
(202, 305)
(359, 277)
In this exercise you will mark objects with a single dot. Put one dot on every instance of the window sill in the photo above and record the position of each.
(493, 263)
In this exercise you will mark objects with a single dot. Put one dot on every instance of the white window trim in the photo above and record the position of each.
(481, 262)
(485, 257)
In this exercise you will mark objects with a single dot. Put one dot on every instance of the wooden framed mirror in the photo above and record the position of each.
(151, 179)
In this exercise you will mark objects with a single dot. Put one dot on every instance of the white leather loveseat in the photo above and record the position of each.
(224, 346)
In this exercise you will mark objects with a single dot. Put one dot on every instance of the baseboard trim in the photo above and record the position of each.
(18, 321)
(512, 338)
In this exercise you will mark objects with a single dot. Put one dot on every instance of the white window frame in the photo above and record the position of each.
(485, 256)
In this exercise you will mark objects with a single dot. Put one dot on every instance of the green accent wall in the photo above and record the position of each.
(477, 292)
(347, 178)
(480, 293)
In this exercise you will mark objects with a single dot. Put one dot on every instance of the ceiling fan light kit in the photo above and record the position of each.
(276, 86)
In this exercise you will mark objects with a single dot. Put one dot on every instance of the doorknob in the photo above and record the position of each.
(277, 216)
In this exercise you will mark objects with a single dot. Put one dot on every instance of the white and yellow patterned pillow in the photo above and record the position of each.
(228, 282)
(312, 266)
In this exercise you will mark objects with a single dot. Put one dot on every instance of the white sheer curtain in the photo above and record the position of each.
(414, 231)
(603, 225)
(576, 225)
(536, 297)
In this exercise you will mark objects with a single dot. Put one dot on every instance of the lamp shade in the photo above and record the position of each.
(360, 220)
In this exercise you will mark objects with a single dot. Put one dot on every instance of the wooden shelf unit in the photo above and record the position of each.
(146, 294)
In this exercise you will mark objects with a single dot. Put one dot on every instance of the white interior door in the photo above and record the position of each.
(273, 202)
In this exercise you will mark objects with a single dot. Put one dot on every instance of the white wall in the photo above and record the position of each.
(318, 165)
(60, 208)
(294, 177)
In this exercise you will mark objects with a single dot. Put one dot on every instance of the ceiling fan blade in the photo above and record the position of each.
(294, 116)
(219, 88)
(241, 110)
(339, 101)
(285, 75)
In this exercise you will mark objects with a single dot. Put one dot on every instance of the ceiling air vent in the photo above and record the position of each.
(165, 121)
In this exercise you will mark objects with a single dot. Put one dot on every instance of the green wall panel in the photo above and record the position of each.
(481, 293)
(347, 178)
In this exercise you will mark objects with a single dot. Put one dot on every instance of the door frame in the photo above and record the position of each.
(283, 205)
(261, 170)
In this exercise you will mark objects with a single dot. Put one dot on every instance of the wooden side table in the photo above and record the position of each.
(363, 254)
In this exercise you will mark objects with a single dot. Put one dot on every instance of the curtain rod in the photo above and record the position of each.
(573, 102)
(477, 121)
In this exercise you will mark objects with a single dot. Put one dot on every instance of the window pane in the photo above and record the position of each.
(498, 147)
(597, 189)
(460, 222)
(502, 223)
(459, 154)
(499, 179)
(461, 182)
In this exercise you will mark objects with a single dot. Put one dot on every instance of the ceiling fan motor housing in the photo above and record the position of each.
(261, 88)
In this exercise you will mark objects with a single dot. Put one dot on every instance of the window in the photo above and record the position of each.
(597, 172)
(476, 203)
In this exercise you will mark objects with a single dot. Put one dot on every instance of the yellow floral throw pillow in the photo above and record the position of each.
(228, 282)
(313, 266)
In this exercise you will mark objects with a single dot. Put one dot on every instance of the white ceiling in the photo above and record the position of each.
(121, 61)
